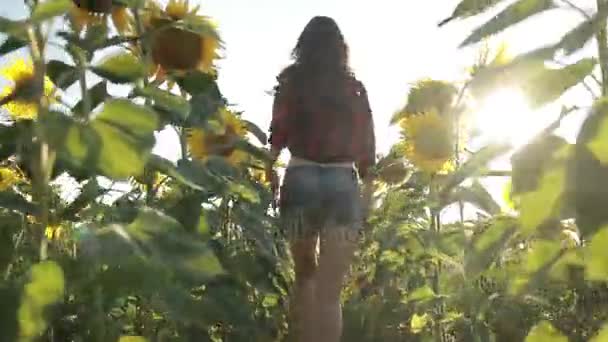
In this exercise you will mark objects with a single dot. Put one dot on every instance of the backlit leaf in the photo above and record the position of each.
(477, 195)
(597, 267)
(121, 68)
(599, 144)
(578, 37)
(602, 335)
(513, 14)
(545, 332)
(117, 142)
(418, 322)
(421, 294)
(467, 8)
(46, 287)
(549, 84)
(49, 9)
(532, 160)
(488, 244)
(588, 171)
(132, 339)
(541, 204)
(472, 166)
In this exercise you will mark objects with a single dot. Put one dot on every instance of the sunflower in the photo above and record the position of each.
(181, 49)
(8, 178)
(86, 13)
(428, 93)
(54, 232)
(204, 143)
(429, 141)
(21, 98)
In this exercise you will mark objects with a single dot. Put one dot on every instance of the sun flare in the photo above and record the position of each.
(505, 116)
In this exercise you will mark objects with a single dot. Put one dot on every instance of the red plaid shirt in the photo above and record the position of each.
(323, 136)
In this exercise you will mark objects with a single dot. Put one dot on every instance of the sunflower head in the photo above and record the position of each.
(179, 9)
(85, 13)
(8, 178)
(54, 232)
(181, 49)
(219, 142)
(20, 99)
(429, 141)
(427, 94)
(94, 6)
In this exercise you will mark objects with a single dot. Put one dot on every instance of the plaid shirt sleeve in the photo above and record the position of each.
(367, 148)
(278, 127)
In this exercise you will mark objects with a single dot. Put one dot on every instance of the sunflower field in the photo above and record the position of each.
(102, 240)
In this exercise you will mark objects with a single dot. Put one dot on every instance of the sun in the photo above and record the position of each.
(505, 116)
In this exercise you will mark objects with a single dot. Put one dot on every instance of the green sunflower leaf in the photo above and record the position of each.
(545, 332)
(168, 102)
(597, 268)
(256, 131)
(46, 287)
(49, 9)
(467, 8)
(97, 94)
(588, 174)
(476, 163)
(602, 335)
(121, 68)
(117, 143)
(513, 14)
(62, 74)
(549, 84)
(11, 44)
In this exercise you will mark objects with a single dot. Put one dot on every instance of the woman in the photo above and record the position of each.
(322, 115)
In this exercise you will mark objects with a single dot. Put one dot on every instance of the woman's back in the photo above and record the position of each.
(321, 118)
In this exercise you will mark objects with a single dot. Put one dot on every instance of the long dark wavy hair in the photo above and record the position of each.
(320, 71)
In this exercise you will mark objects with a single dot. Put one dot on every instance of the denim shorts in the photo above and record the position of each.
(317, 198)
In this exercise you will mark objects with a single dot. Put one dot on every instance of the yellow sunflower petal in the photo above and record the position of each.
(218, 142)
(208, 53)
(177, 9)
(8, 178)
(81, 18)
(122, 19)
(429, 142)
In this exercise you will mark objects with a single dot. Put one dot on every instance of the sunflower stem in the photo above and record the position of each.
(602, 46)
(86, 98)
(44, 163)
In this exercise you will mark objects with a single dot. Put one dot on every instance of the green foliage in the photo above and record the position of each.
(177, 107)
(46, 287)
(62, 74)
(49, 9)
(117, 142)
(514, 13)
(139, 248)
(545, 332)
(11, 44)
(121, 68)
(549, 84)
(467, 8)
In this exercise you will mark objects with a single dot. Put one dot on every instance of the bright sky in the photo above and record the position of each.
(393, 43)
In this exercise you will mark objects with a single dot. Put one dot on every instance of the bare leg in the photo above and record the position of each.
(304, 255)
(336, 254)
